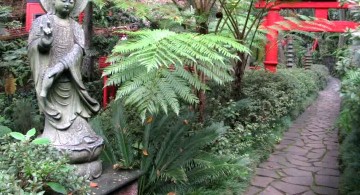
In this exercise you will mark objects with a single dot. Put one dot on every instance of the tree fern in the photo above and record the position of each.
(150, 68)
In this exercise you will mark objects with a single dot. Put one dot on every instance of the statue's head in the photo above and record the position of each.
(64, 8)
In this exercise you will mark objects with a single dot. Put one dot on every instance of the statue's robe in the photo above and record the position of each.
(67, 104)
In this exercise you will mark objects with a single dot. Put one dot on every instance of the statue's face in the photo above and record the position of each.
(63, 8)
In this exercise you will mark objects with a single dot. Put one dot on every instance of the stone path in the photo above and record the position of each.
(306, 160)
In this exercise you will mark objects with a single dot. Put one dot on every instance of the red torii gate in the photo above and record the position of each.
(321, 14)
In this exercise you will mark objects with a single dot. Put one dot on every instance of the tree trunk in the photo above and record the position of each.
(88, 62)
(203, 28)
(239, 74)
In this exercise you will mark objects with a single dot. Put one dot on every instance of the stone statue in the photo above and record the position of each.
(55, 49)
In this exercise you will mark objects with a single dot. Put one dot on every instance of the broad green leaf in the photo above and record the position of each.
(31, 133)
(41, 141)
(57, 187)
(4, 130)
(18, 136)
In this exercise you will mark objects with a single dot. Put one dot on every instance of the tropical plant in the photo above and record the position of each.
(349, 130)
(32, 166)
(118, 136)
(151, 68)
(173, 159)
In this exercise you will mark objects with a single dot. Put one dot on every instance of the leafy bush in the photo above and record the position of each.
(269, 101)
(167, 149)
(349, 123)
(34, 167)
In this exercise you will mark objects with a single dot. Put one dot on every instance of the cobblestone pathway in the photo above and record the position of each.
(306, 160)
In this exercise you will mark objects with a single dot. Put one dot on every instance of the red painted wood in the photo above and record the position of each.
(32, 10)
(321, 24)
(321, 13)
(108, 91)
(303, 5)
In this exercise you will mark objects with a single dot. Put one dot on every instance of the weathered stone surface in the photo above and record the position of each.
(332, 172)
(289, 188)
(326, 180)
(331, 164)
(305, 162)
(270, 191)
(325, 190)
(267, 173)
(260, 181)
(314, 155)
(297, 172)
(305, 181)
(253, 190)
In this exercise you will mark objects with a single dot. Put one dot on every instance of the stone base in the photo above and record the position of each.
(90, 170)
(114, 182)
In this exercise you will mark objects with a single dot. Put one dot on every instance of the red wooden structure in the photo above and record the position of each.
(108, 91)
(33, 10)
(321, 14)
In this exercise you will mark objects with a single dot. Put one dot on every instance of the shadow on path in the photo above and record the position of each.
(306, 160)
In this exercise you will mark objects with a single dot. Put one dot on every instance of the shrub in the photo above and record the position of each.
(34, 167)
(269, 101)
(349, 123)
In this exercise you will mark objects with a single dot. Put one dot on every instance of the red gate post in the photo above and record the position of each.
(321, 14)
(271, 55)
(33, 10)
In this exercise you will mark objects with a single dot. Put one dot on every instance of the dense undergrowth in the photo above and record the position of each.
(223, 156)
(257, 121)
(349, 124)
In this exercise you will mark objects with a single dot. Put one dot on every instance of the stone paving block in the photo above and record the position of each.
(252, 190)
(312, 169)
(316, 146)
(319, 151)
(299, 163)
(297, 157)
(326, 180)
(325, 190)
(314, 155)
(270, 165)
(332, 172)
(296, 150)
(309, 193)
(306, 160)
(296, 172)
(304, 181)
(261, 181)
(289, 188)
(270, 191)
(331, 164)
(267, 173)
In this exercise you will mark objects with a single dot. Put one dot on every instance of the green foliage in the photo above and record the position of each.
(269, 100)
(119, 136)
(4, 130)
(349, 130)
(104, 44)
(173, 159)
(22, 114)
(150, 68)
(33, 167)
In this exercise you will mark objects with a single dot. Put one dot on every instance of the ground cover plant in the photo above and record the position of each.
(349, 133)
(160, 74)
(32, 166)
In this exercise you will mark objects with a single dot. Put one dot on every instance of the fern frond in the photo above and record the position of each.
(141, 66)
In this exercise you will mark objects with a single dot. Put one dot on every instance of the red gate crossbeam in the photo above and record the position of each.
(320, 24)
